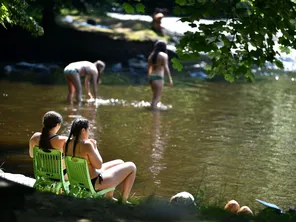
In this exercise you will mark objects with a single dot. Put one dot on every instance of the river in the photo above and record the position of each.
(233, 141)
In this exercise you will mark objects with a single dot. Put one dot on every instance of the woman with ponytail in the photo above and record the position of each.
(157, 67)
(48, 139)
(103, 175)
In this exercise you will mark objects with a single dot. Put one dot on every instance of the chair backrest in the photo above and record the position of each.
(48, 164)
(78, 174)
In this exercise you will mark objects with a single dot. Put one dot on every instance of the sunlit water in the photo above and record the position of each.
(234, 141)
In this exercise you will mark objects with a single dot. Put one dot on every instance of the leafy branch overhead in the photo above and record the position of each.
(248, 34)
(13, 12)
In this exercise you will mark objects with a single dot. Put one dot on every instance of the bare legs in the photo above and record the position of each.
(74, 84)
(118, 172)
(156, 86)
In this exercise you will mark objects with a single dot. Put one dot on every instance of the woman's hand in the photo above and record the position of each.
(170, 82)
(90, 96)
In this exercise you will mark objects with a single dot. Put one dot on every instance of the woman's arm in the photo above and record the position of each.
(95, 76)
(149, 66)
(167, 69)
(94, 156)
(32, 144)
(86, 86)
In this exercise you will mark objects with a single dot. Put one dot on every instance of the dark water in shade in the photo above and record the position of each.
(234, 141)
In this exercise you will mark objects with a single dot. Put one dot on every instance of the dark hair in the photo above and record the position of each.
(160, 46)
(50, 120)
(99, 64)
(77, 125)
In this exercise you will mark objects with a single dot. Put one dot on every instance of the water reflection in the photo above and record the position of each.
(231, 140)
(88, 111)
(158, 145)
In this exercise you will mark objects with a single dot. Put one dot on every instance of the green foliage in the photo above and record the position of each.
(128, 8)
(14, 12)
(243, 39)
(132, 7)
(177, 64)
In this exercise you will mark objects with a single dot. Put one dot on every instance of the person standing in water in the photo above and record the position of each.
(157, 67)
(90, 70)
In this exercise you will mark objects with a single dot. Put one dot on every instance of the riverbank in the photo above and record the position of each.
(81, 37)
(39, 206)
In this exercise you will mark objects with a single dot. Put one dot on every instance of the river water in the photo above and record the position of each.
(233, 141)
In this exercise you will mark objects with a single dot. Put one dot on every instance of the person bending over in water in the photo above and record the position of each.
(157, 67)
(75, 70)
(103, 175)
(48, 139)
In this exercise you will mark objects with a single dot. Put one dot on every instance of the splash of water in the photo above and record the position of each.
(121, 102)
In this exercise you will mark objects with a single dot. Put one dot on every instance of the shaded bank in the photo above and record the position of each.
(26, 204)
(67, 44)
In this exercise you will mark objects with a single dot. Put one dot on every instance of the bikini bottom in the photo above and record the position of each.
(151, 78)
(93, 180)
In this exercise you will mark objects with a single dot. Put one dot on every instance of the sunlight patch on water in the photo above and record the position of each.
(121, 102)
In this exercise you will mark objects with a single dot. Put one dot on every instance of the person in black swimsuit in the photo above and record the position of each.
(103, 175)
(48, 138)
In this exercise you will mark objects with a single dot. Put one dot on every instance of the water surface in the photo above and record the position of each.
(234, 141)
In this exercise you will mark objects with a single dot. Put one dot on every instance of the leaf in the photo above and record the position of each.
(177, 10)
(192, 25)
(229, 77)
(177, 64)
(181, 2)
(128, 8)
(185, 19)
(285, 49)
(140, 7)
(279, 64)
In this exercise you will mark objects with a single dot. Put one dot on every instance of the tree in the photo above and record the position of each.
(243, 39)
(13, 12)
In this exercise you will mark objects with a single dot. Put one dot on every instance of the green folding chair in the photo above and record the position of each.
(80, 182)
(48, 171)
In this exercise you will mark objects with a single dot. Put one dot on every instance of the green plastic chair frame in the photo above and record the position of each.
(80, 182)
(48, 171)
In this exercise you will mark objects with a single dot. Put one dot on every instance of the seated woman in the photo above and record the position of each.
(48, 139)
(103, 175)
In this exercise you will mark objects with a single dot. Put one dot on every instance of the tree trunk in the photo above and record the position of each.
(48, 15)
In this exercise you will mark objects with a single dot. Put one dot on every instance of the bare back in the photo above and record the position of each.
(86, 150)
(160, 67)
(56, 142)
(84, 68)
